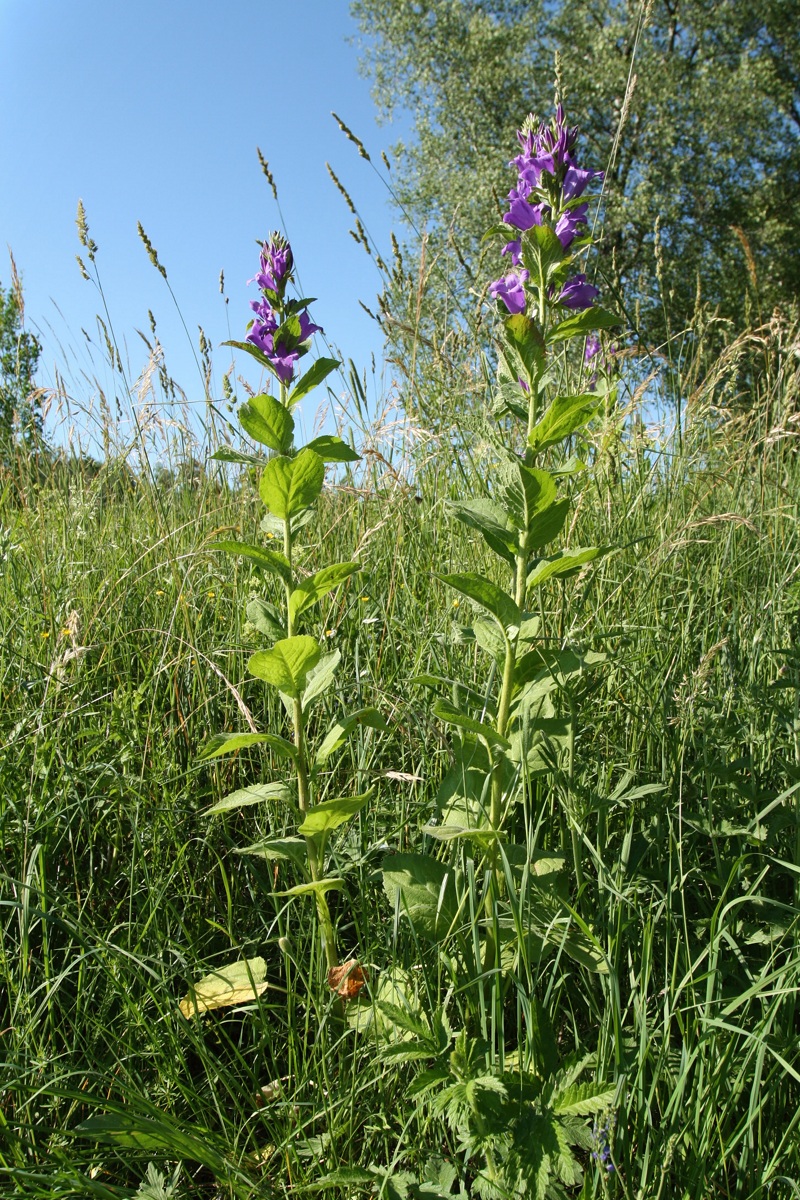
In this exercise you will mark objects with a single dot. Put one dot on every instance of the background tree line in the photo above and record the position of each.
(692, 106)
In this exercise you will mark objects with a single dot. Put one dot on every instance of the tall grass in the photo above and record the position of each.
(123, 645)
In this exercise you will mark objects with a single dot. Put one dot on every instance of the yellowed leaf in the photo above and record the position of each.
(234, 984)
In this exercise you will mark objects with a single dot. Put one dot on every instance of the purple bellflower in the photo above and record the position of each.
(511, 291)
(577, 293)
(568, 224)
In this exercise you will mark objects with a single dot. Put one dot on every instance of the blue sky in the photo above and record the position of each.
(152, 112)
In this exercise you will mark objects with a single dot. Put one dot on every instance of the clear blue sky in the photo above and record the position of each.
(152, 111)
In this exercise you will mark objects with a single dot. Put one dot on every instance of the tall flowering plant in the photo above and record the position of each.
(516, 1125)
(292, 661)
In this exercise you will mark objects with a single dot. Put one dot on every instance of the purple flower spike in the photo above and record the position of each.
(577, 293)
(592, 347)
(511, 291)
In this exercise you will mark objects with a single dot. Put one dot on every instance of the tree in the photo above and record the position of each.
(20, 410)
(709, 141)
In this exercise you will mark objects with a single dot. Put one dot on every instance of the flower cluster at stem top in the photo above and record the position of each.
(282, 328)
(548, 191)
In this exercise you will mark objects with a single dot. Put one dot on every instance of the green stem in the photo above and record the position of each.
(304, 798)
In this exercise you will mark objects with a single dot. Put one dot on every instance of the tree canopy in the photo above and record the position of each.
(692, 106)
(20, 413)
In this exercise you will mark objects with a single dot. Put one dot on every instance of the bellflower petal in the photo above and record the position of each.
(577, 293)
(515, 250)
(569, 222)
(523, 215)
(511, 291)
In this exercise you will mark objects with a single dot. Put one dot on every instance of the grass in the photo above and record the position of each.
(123, 648)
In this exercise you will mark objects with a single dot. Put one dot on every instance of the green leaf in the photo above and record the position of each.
(525, 352)
(584, 1099)
(543, 252)
(563, 563)
(287, 665)
(226, 743)
(266, 618)
(316, 374)
(266, 420)
(268, 560)
(545, 526)
(147, 1133)
(317, 887)
(342, 1177)
(290, 849)
(446, 711)
(424, 890)
(328, 815)
(527, 493)
(562, 418)
(238, 983)
(321, 678)
(487, 594)
(225, 454)
(342, 729)
(318, 585)
(490, 639)
(583, 323)
(288, 485)
(254, 352)
(258, 793)
(332, 449)
(489, 519)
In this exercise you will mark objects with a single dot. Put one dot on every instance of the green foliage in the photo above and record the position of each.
(20, 409)
(693, 114)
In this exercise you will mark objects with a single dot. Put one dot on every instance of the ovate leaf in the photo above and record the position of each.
(316, 887)
(489, 518)
(583, 322)
(545, 526)
(287, 664)
(563, 563)
(226, 743)
(318, 585)
(257, 793)
(528, 493)
(268, 560)
(321, 678)
(290, 849)
(266, 420)
(314, 376)
(487, 594)
(266, 618)
(584, 1099)
(424, 890)
(288, 485)
(446, 711)
(226, 455)
(328, 815)
(235, 984)
(562, 418)
(332, 449)
(342, 730)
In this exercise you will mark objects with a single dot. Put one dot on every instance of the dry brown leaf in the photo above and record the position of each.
(348, 979)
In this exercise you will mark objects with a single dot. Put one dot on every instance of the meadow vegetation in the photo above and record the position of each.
(594, 989)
